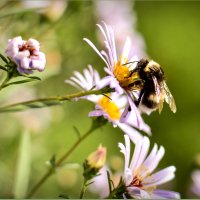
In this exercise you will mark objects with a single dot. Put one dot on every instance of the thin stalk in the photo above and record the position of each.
(63, 158)
(54, 99)
(83, 189)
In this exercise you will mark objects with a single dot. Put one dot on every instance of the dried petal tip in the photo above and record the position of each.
(97, 158)
(26, 55)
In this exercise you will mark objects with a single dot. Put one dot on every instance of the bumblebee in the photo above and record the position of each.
(150, 81)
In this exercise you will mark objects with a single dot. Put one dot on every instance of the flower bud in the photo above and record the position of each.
(97, 158)
(94, 163)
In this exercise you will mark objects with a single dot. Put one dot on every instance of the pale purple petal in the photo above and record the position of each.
(138, 193)
(95, 113)
(34, 43)
(26, 55)
(165, 194)
(160, 177)
(153, 163)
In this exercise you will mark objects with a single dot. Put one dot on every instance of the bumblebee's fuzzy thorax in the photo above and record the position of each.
(147, 69)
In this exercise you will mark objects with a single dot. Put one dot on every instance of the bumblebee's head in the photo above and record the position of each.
(142, 64)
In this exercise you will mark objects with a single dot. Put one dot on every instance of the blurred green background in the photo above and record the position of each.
(171, 31)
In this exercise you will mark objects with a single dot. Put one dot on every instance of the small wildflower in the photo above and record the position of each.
(118, 68)
(110, 106)
(139, 179)
(26, 55)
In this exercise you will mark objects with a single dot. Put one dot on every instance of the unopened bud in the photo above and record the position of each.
(94, 163)
(97, 159)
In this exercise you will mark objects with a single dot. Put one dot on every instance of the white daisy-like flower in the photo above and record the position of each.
(26, 55)
(110, 106)
(139, 179)
(118, 68)
(195, 188)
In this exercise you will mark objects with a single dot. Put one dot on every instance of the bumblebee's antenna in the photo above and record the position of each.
(107, 96)
(130, 62)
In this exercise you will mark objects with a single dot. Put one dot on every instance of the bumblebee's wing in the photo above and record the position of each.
(169, 98)
(159, 94)
(157, 89)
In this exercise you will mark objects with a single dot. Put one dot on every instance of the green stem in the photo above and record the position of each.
(83, 189)
(49, 101)
(4, 82)
(94, 126)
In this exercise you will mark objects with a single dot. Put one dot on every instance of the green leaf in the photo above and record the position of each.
(3, 68)
(23, 166)
(4, 59)
(32, 77)
(109, 182)
(19, 82)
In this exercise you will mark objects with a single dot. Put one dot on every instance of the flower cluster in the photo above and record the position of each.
(110, 106)
(139, 179)
(118, 105)
(26, 54)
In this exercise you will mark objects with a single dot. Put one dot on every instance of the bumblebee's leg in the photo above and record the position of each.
(137, 102)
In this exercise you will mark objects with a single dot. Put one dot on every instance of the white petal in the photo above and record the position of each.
(81, 78)
(144, 151)
(126, 50)
(96, 50)
(136, 154)
(130, 131)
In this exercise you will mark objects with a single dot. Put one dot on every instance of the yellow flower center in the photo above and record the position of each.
(125, 77)
(121, 72)
(110, 107)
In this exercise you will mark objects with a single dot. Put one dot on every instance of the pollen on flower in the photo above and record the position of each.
(121, 72)
(110, 108)
(124, 76)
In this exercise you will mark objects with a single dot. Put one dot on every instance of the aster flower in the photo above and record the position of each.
(26, 55)
(118, 69)
(139, 179)
(110, 106)
(195, 188)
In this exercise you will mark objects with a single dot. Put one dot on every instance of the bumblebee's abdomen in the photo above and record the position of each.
(149, 96)
(149, 101)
